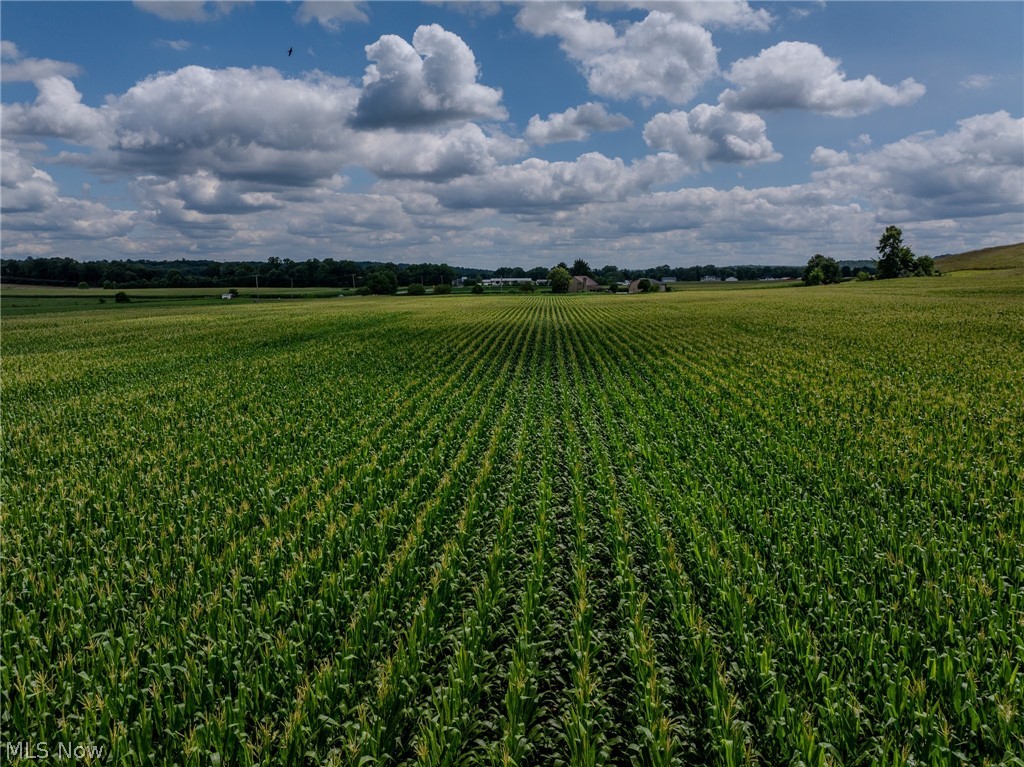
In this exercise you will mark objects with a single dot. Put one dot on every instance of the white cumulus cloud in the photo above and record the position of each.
(463, 150)
(734, 14)
(574, 124)
(539, 187)
(251, 124)
(34, 209)
(661, 56)
(829, 158)
(430, 82)
(711, 134)
(19, 68)
(57, 111)
(975, 170)
(796, 75)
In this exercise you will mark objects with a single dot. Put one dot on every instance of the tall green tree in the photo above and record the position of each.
(821, 270)
(580, 268)
(894, 258)
(559, 278)
(382, 281)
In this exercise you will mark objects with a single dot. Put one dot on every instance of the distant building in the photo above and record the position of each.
(670, 278)
(497, 282)
(731, 279)
(709, 278)
(227, 295)
(583, 284)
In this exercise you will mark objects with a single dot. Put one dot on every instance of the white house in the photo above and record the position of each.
(227, 295)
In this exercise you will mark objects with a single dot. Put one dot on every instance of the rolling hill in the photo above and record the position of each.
(1000, 257)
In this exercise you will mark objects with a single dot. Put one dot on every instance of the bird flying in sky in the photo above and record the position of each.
(290, 51)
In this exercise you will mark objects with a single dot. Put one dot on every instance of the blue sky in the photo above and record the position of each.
(488, 134)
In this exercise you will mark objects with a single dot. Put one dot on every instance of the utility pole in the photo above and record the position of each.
(257, 287)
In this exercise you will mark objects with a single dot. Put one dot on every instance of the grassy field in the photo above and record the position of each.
(1002, 257)
(708, 527)
(17, 300)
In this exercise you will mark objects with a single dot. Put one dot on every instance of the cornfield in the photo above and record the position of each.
(761, 527)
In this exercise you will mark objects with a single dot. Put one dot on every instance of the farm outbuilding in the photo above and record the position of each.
(500, 282)
(583, 284)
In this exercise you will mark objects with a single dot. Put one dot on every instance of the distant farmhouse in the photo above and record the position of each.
(582, 284)
(709, 278)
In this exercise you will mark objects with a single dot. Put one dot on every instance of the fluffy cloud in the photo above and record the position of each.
(203, 211)
(975, 170)
(712, 215)
(735, 14)
(829, 158)
(934, 184)
(331, 14)
(539, 186)
(249, 124)
(199, 108)
(711, 134)
(25, 188)
(202, 192)
(58, 111)
(794, 75)
(19, 68)
(580, 37)
(464, 150)
(430, 82)
(375, 217)
(661, 56)
(242, 163)
(574, 124)
(34, 209)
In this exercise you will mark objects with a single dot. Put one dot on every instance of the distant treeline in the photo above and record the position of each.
(277, 272)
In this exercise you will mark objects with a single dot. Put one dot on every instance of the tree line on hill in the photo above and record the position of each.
(328, 272)
(894, 260)
(186, 273)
